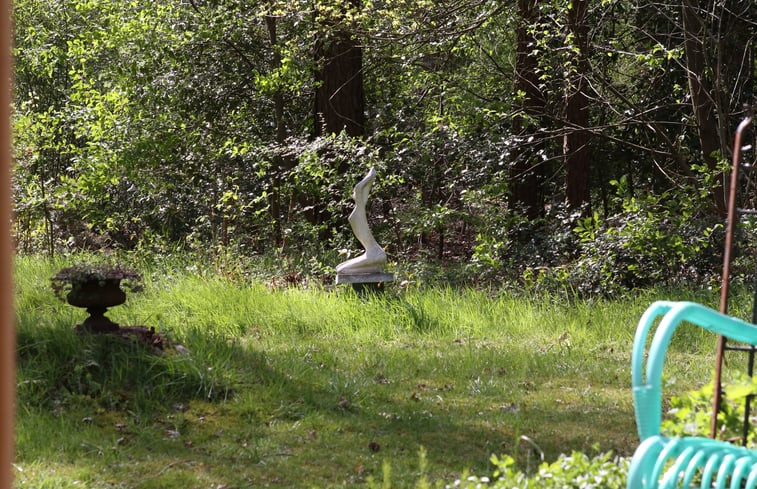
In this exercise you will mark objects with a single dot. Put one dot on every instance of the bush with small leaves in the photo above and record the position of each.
(574, 471)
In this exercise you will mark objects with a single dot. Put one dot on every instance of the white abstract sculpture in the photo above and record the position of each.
(372, 261)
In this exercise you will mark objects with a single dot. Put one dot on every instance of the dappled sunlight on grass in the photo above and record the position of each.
(320, 380)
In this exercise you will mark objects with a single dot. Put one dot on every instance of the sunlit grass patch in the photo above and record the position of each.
(294, 387)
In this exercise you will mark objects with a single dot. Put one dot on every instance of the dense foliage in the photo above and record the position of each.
(541, 142)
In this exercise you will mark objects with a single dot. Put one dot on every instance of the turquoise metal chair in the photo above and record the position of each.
(668, 462)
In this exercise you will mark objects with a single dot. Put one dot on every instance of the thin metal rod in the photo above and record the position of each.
(726, 278)
(7, 317)
(748, 400)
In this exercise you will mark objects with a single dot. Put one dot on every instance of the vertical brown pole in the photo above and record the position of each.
(726, 278)
(7, 331)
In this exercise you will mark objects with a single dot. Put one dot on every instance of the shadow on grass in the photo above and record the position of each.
(369, 417)
(57, 366)
(248, 415)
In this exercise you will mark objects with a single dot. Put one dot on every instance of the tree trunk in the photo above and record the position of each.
(735, 76)
(526, 172)
(576, 139)
(700, 89)
(280, 165)
(339, 99)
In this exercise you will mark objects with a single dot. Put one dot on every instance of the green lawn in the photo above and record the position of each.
(288, 387)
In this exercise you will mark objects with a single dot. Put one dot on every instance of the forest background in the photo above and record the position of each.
(577, 144)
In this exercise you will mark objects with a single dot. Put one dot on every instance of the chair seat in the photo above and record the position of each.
(666, 463)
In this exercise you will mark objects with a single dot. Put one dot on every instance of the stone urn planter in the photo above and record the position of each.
(95, 288)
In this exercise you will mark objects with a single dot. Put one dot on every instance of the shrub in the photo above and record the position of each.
(574, 471)
(691, 412)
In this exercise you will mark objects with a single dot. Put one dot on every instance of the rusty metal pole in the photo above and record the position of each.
(7, 329)
(726, 276)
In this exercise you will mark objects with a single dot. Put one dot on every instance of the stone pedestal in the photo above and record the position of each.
(365, 282)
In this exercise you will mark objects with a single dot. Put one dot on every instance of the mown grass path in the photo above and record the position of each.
(287, 387)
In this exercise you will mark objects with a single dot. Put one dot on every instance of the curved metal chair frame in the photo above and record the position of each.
(662, 462)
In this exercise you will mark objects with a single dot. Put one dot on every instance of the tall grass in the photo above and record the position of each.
(320, 387)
